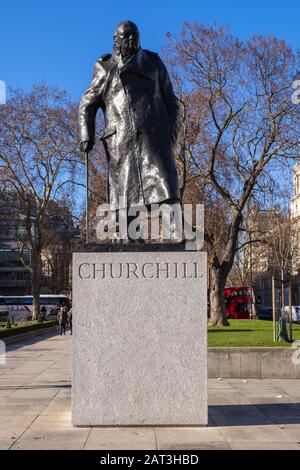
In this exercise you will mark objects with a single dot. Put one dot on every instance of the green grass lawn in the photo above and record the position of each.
(240, 333)
(246, 333)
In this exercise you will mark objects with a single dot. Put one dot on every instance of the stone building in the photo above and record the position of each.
(15, 278)
(295, 217)
(263, 269)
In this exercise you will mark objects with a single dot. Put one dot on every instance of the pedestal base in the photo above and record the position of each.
(139, 339)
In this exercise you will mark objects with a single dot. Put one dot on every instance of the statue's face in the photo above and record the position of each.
(126, 41)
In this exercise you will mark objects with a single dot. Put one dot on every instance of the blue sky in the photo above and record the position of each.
(59, 41)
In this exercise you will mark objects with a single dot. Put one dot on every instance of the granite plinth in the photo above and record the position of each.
(139, 339)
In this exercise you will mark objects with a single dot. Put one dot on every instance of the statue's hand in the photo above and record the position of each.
(86, 146)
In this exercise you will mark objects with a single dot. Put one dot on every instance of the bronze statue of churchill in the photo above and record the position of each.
(133, 89)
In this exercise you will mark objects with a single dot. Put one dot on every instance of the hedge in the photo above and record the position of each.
(18, 330)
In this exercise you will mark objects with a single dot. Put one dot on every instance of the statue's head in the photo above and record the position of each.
(127, 39)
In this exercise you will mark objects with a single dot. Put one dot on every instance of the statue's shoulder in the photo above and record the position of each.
(100, 67)
(104, 58)
(151, 54)
(152, 57)
(102, 61)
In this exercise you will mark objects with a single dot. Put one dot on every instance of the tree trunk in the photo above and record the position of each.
(253, 304)
(282, 291)
(36, 283)
(217, 297)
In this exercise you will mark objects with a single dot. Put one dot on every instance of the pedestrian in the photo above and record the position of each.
(27, 314)
(62, 320)
(43, 312)
(70, 319)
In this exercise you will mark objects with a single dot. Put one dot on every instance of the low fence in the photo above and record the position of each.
(256, 363)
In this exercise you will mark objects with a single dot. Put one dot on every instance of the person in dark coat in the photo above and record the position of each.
(43, 313)
(70, 320)
(62, 318)
(133, 89)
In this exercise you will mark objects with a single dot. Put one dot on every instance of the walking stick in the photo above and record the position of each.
(87, 222)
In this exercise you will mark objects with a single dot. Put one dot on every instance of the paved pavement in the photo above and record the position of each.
(35, 412)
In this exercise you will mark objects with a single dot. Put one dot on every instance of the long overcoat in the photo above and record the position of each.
(141, 125)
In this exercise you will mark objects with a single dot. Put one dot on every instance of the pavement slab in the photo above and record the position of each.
(121, 438)
(189, 438)
(35, 404)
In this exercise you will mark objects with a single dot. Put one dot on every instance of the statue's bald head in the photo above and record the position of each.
(127, 39)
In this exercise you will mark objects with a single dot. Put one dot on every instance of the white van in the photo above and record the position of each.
(295, 313)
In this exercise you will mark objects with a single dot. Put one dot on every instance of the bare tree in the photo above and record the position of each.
(243, 123)
(38, 161)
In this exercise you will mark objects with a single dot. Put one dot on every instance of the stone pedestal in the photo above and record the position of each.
(139, 339)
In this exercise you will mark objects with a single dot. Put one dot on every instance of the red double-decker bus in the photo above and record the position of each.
(238, 302)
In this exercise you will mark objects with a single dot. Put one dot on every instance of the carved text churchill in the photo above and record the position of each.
(139, 271)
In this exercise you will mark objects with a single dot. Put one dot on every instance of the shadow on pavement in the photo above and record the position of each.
(29, 341)
(35, 387)
(259, 414)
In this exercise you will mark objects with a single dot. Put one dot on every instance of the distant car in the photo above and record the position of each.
(264, 312)
(295, 313)
(3, 317)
